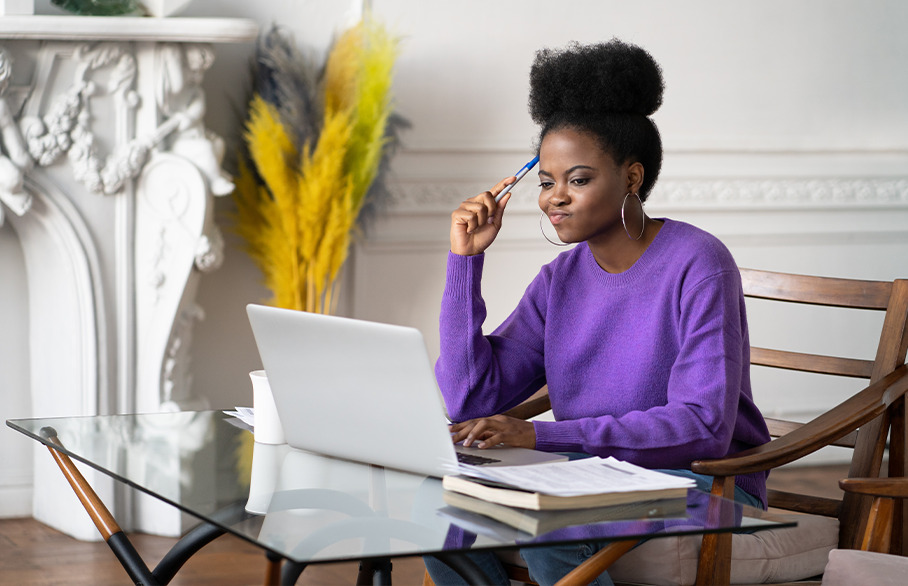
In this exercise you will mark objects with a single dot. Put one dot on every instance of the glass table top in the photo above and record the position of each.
(310, 508)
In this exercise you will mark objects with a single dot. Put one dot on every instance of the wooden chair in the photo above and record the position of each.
(862, 422)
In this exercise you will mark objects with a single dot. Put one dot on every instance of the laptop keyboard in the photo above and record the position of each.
(474, 460)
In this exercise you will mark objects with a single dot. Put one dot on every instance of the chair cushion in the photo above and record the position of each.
(848, 567)
(764, 557)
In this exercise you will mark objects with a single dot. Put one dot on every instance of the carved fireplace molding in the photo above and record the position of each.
(107, 176)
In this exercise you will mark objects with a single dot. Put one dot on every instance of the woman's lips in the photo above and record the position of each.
(557, 217)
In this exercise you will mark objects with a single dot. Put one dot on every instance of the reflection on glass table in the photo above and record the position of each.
(303, 508)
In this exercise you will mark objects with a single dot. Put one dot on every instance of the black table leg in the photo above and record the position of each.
(291, 571)
(131, 560)
(185, 548)
(374, 572)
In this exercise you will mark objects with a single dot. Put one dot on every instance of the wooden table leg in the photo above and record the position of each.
(273, 569)
(597, 563)
(117, 540)
(100, 515)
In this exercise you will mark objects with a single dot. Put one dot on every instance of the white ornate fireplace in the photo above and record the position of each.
(107, 175)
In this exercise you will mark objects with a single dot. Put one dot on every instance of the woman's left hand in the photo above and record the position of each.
(491, 431)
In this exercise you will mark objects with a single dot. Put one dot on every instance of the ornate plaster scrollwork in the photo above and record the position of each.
(182, 100)
(175, 378)
(49, 138)
(176, 239)
(15, 160)
(66, 128)
(209, 252)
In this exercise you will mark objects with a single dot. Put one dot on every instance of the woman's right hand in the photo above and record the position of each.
(475, 224)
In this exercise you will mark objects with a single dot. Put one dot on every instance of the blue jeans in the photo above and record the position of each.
(549, 564)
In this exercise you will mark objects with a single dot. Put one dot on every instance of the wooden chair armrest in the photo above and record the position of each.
(882, 515)
(849, 415)
(535, 405)
(884, 487)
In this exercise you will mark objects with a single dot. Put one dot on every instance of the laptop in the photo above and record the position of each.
(363, 391)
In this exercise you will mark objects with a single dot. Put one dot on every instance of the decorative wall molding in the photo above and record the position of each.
(784, 192)
(135, 30)
(765, 193)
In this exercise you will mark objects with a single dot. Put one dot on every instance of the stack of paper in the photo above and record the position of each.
(589, 482)
(244, 414)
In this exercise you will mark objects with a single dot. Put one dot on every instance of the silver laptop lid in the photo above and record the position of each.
(354, 389)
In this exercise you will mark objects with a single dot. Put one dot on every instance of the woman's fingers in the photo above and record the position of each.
(491, 431)
(476, 212)
(475, 223)
(469, 431)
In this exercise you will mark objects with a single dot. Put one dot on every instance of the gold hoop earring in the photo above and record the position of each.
(541, 229)
(642, 214)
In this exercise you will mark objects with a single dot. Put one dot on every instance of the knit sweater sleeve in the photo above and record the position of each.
(483, 375)
(698, 417)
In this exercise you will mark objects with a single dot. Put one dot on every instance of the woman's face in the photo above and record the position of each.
(582, 189)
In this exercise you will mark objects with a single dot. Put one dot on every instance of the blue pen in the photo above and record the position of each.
(519, 175)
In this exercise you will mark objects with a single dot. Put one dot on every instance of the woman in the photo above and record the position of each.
(639, 331)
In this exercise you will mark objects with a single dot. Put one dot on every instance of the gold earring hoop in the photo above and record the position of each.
(642, 214)
(544, 235)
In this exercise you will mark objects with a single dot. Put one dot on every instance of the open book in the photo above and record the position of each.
(575, 484)
(539, 522)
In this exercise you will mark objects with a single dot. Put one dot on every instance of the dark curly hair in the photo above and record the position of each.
(608, 90)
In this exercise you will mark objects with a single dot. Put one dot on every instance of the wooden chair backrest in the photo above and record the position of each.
(869, 441)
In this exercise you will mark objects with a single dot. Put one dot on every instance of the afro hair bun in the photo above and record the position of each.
(612, 77)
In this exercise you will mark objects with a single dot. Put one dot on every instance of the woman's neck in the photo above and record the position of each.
(619, 252)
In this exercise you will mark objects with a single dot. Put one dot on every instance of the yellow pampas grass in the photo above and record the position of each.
(297, 205)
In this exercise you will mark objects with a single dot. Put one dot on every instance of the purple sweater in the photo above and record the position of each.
(651, 365)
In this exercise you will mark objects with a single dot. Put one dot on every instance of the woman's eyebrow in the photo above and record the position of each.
(569, 171)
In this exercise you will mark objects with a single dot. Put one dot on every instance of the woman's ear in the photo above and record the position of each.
(635, 174)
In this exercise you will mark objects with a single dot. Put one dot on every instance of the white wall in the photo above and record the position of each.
(785, 126)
